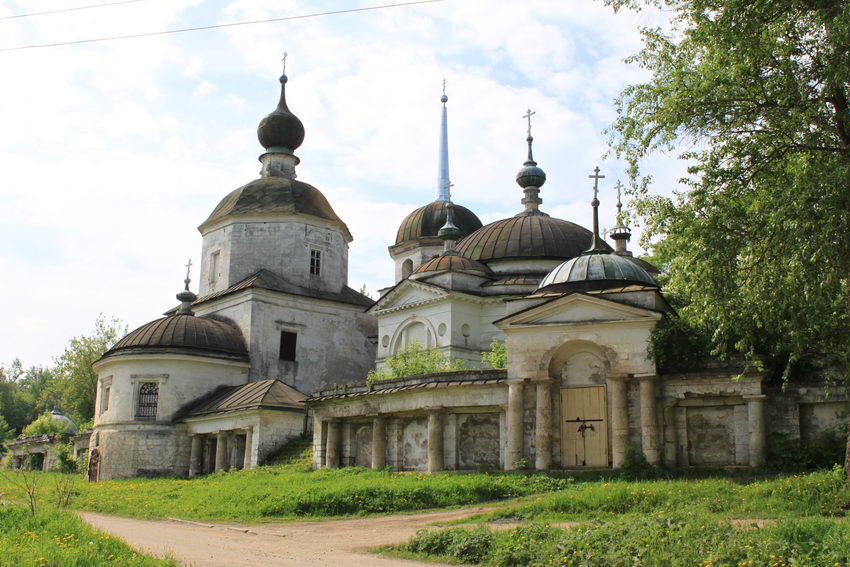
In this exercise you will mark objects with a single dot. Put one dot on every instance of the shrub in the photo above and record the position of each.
(787, 454)
(497, 356)
(635, 466)
(413, 360)
(64, 458)
(46, 425)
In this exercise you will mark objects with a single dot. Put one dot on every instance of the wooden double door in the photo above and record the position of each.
(584, 427)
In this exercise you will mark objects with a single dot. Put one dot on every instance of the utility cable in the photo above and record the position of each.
(217, 26)
(68, 9)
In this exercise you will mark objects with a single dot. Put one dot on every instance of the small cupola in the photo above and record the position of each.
(280, 133)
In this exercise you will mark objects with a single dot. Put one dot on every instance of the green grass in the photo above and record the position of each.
(661, 523)
(54, 538)
(675, 539)
(293, 492)
(822, 493)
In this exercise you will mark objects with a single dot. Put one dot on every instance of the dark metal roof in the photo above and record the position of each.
(274, 196)
(186, 333)
(526, 236)
(264, 394)
(452, 263)
(265, 279)
(595, 271)
(427, 221)
(281, 129)
(436, 380)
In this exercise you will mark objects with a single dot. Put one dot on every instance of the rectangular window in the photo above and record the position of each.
(315, 262)
(213, 274)
(148, 398)
(105, 406)
(287, 345)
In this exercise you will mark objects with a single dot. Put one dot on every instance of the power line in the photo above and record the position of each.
(68, 9)
(217, 26)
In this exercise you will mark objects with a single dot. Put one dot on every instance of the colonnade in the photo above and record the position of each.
(657, 448)
(221, 451)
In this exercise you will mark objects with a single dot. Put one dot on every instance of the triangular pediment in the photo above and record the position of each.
(578, 308)
(406, 294)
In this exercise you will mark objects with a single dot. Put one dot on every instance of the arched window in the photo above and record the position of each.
(406, 268)
(148, 398)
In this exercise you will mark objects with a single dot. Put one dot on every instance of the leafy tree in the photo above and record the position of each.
(497, 356)
(75, 385)
(16, 407)
(757, 243)
(6, 433)
(413, 360)
(46, 425)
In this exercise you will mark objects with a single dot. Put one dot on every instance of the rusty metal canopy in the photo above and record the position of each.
(453, 263)
(526, 236)
(184, 333)
(263, 394)
(427, 221)
(274, 196)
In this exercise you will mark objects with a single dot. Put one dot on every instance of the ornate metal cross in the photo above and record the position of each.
(528, 116)
(444, 86)
(596, 177)
(188, 268)
(285, 55)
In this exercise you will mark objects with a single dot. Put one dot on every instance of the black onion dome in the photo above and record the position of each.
(595, 271)
(183, 333)
(274, 196)
(428, 220)
(281, 131)
(453, 263)
(526, 236)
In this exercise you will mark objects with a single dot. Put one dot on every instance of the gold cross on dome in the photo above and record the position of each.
(528, 116)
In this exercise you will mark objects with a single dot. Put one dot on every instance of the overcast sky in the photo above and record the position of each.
(112, 153)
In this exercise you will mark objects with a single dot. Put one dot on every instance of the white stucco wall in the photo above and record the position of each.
(280, 244)
(333, 344)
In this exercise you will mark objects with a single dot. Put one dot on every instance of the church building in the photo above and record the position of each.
(276, 345)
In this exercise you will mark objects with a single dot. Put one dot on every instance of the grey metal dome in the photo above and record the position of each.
(57, 416)
(184, 333)
(595, 271)
(281, 131)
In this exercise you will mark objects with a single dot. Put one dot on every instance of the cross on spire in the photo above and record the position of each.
(188, 270)
(528, 116)
(285, 55)
(596, 177)
(444, 86)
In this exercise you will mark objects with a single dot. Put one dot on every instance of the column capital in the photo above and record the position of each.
(542, 380)
(646, 376)
(514, 380)
(755, 398)
(618, 376)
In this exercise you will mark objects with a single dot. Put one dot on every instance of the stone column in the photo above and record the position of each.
(670, 430)
(221, 451)
(209, 464)
(248, 463)
(332, 449)
(379, 442)
(649, 419)
(513, 448)
(619, 417)
(195, 457)
(543, 425)
(435, 440)
(237, 452)
(755, 415)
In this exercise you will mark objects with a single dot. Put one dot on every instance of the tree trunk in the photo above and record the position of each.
(847, 456)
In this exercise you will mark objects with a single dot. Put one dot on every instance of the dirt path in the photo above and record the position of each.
(338, 543)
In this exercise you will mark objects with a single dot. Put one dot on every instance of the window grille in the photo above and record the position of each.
(148, 398)
(315, 262)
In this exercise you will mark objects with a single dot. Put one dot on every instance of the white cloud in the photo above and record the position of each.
(112, 153)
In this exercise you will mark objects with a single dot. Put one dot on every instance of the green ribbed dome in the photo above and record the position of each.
(595, 271)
